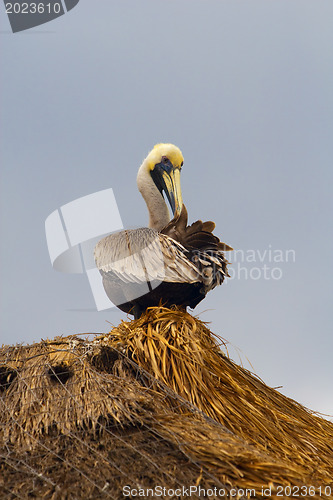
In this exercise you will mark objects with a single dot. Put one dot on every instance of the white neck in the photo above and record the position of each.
(159, 215)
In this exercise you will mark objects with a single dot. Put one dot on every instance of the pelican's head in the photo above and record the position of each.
(164, 164)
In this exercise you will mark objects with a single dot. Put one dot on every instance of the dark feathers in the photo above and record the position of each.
(198, 236)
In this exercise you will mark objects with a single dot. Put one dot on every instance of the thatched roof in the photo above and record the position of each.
(154, 403)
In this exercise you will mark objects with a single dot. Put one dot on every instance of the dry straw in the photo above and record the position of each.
(156, 402)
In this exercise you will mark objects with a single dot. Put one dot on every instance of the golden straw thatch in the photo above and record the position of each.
(153, 404)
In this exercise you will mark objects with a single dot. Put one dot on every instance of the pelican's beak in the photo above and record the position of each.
(166, 177)
(172, 190)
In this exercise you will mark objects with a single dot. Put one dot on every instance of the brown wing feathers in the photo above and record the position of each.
(196, 236)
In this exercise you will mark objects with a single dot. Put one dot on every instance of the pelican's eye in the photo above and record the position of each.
(165, 159)
(182, 163)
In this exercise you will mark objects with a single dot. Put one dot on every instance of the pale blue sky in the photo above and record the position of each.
(245, 90)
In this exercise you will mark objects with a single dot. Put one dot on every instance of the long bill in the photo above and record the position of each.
(173, 190)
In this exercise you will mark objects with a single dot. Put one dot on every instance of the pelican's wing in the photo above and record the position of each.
(198, 236)
(141, 255)
(204, 249)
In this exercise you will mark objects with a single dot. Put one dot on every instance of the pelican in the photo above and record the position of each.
(168, 263)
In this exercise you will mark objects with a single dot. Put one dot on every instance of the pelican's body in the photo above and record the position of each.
(168, 262)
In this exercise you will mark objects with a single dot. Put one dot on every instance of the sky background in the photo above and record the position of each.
(245, 89)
